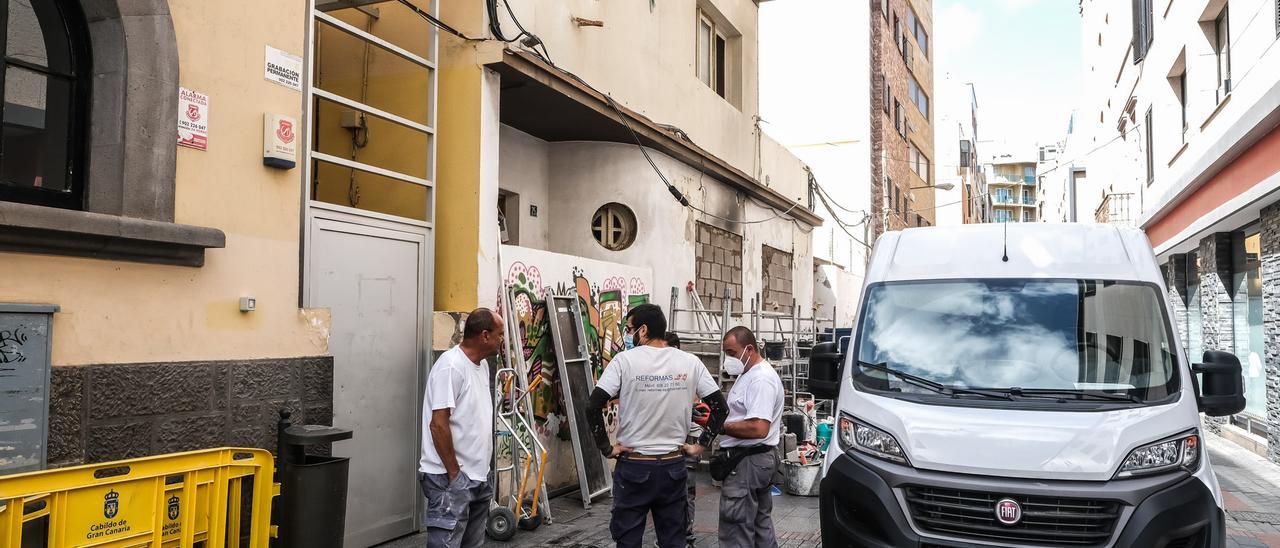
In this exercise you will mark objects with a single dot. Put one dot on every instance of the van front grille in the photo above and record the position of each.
(1046, 521)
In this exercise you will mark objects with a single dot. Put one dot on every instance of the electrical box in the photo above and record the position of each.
(25, 344)
(248, 304)
(279, 141)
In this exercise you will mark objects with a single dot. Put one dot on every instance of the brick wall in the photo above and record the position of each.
(719, 254)
(776, 280)
(892, 175)
(1271, 323)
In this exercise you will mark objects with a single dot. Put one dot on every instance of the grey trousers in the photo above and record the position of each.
(456, 512)
(746, 503)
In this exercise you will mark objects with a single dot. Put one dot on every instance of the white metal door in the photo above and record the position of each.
(372, 276)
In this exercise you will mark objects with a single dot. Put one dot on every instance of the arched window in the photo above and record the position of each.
(45, 85)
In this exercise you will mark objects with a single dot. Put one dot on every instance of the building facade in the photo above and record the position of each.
(1193, 96)
(821, 116)
(1063, 180)
(968, 200)
(902, 130)
(612, 151)
(170, 272)
(1013, 186)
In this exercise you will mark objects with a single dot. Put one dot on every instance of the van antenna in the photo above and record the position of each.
(1005, 258)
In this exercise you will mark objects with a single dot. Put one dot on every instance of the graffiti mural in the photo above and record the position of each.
(605, 292)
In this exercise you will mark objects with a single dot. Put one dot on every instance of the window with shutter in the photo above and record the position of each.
(1143, 33)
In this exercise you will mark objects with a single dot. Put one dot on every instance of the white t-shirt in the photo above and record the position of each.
(459, 384)
(757, 394)
(655, 388)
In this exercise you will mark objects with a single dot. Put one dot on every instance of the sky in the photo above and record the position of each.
(1024, 59)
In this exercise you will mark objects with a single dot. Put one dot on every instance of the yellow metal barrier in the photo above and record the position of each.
(165, 501)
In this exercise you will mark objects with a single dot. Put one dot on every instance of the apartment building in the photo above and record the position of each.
(1186, 98)
(902, 129)
(962, 196)
(1013, 186)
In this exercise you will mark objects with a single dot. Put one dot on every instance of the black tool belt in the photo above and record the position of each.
(726, 460)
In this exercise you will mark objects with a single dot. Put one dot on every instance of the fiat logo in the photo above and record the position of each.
(1008, 511)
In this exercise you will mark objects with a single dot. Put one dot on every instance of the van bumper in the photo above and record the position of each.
(860, 505)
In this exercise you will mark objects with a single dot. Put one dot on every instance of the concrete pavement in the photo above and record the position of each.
(1250, 490)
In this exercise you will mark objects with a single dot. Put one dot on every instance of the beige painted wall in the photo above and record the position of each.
(646, 58)
(120, 312)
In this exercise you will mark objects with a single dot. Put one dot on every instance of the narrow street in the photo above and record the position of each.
(1250, 490)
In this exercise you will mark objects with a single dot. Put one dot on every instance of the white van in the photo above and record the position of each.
(1021, 385)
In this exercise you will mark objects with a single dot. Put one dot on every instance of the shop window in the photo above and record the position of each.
(1247, 317)
(614, 226)
(45, 84)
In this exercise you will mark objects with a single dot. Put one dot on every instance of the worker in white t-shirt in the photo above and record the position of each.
(457, 440)
(654, 385)
(751, 432)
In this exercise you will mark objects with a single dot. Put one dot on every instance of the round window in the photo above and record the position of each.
(614, 226)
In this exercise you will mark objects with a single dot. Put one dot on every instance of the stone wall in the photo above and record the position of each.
(1271, 323)
(1215, 300)
(719, 255)
(108, 412)
(776, 278)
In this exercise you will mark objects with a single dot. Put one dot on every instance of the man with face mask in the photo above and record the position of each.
(457, 444)
(751, 433)
(655, 385)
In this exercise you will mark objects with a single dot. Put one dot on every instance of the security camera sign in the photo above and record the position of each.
(284, 68)
(193, 119)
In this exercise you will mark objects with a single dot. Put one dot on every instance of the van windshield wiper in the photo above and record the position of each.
(935, 386)
(1078, 394)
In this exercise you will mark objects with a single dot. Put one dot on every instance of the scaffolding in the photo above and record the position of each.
(786, 340)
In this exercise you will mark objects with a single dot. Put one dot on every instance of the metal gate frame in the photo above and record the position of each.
(583, 448)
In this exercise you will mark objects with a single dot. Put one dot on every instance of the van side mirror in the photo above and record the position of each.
(826, 365)
(1221, 388)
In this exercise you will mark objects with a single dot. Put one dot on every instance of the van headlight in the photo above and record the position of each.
(868, 439)
(1181, 451)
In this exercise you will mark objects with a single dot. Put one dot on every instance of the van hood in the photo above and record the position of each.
(1071, 445)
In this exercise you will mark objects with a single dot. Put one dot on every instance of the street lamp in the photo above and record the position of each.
(940, 186)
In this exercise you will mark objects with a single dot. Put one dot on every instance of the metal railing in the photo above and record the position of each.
(1115, 209)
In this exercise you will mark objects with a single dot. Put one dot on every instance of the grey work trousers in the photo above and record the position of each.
(456, 512)
(746, 503)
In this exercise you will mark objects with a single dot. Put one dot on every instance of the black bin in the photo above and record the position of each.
(312, 509)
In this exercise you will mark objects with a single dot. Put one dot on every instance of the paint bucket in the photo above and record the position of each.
(802, 479)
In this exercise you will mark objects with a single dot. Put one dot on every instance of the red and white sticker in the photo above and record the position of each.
(193, 119)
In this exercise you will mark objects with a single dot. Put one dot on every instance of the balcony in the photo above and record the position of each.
(1114, 210)
(1028, 179)
(1005, 199)
(1028, 200)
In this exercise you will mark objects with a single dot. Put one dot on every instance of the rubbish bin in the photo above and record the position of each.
(313, 489)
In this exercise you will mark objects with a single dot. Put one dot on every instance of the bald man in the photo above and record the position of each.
(457, 442)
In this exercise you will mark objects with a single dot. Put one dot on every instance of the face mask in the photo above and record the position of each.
(733, 366)
(628, 341)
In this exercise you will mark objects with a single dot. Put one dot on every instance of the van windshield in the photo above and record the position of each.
(1074, 338)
